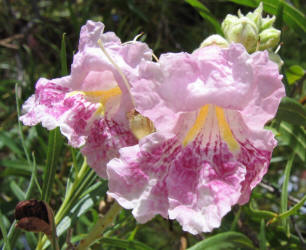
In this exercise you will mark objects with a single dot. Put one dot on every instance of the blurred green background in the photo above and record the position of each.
(30, 47)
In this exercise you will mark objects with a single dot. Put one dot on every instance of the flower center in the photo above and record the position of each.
(101, 96)
(211, 113)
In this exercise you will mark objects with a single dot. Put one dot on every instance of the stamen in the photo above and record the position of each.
(136, 37)
(117, 68)
(278, 48)
(155, 57)
(134, 40)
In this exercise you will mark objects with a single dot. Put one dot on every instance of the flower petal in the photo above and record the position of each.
(92, 104)
(137, 179)
(214, 153)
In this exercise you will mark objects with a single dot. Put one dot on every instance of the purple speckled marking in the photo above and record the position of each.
(206, 179)
(51, 96)
(103, 143)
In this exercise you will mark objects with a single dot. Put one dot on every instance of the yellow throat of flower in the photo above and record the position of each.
(223, 126)
(101, 96)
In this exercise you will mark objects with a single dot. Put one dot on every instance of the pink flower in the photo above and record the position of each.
(91, 104)
(210, 148)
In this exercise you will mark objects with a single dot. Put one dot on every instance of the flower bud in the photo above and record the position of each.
(269, 38)
(215, 40)
(255, 16)
(252, 30)
(267, 22)
(241, 30)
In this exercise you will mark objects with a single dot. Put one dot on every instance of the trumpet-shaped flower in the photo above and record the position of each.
(91, 104)
(210, 148)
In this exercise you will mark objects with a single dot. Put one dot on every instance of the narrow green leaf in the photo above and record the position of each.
(294, 209)
(17, 190)
(54, 239)
(262, 236)
(279, 15)
(125, 244)
(264, 214)
(284, 195)
(54, 146)
(228, 240)
(33, 181)
(25, 149)
(13, 232)
(236, 218)
(74, 199)
(133, 233)
(64, 57)
(4, 233)
(137, 11)
(294, 137)
(294, 73)
(205, 13)
(291, 111)
(18, 165)
(11, 144)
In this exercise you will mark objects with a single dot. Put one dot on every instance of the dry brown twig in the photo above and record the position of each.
(7, 42)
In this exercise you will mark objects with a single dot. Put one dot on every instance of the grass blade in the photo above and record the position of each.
(228, 240)
(294, 137)
(64, 56)
(284, 195)
(33, 180)
(125, 244)
(205, 13)
(4, 233)
(294, 209)
(291, 111)
(26, 152)
(54, 146)
(17, 191)
(262, 236)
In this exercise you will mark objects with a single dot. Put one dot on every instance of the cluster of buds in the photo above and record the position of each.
(252, 30)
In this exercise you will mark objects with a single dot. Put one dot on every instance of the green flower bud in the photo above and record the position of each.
(241, 30)
(252, 30)
(215, 40)
(269, 38)
(256, 16)
(267, 22)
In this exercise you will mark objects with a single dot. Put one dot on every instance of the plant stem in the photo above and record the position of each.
(66, 203)
(99, 228)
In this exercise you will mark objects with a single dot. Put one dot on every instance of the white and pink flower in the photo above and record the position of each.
(200, 119)
(210, 148)
(91, 104)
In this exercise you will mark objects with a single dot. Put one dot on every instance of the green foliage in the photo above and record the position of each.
(291, 111)
(205, 13)
(39, 38)
(294, 73)
(228, 240)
